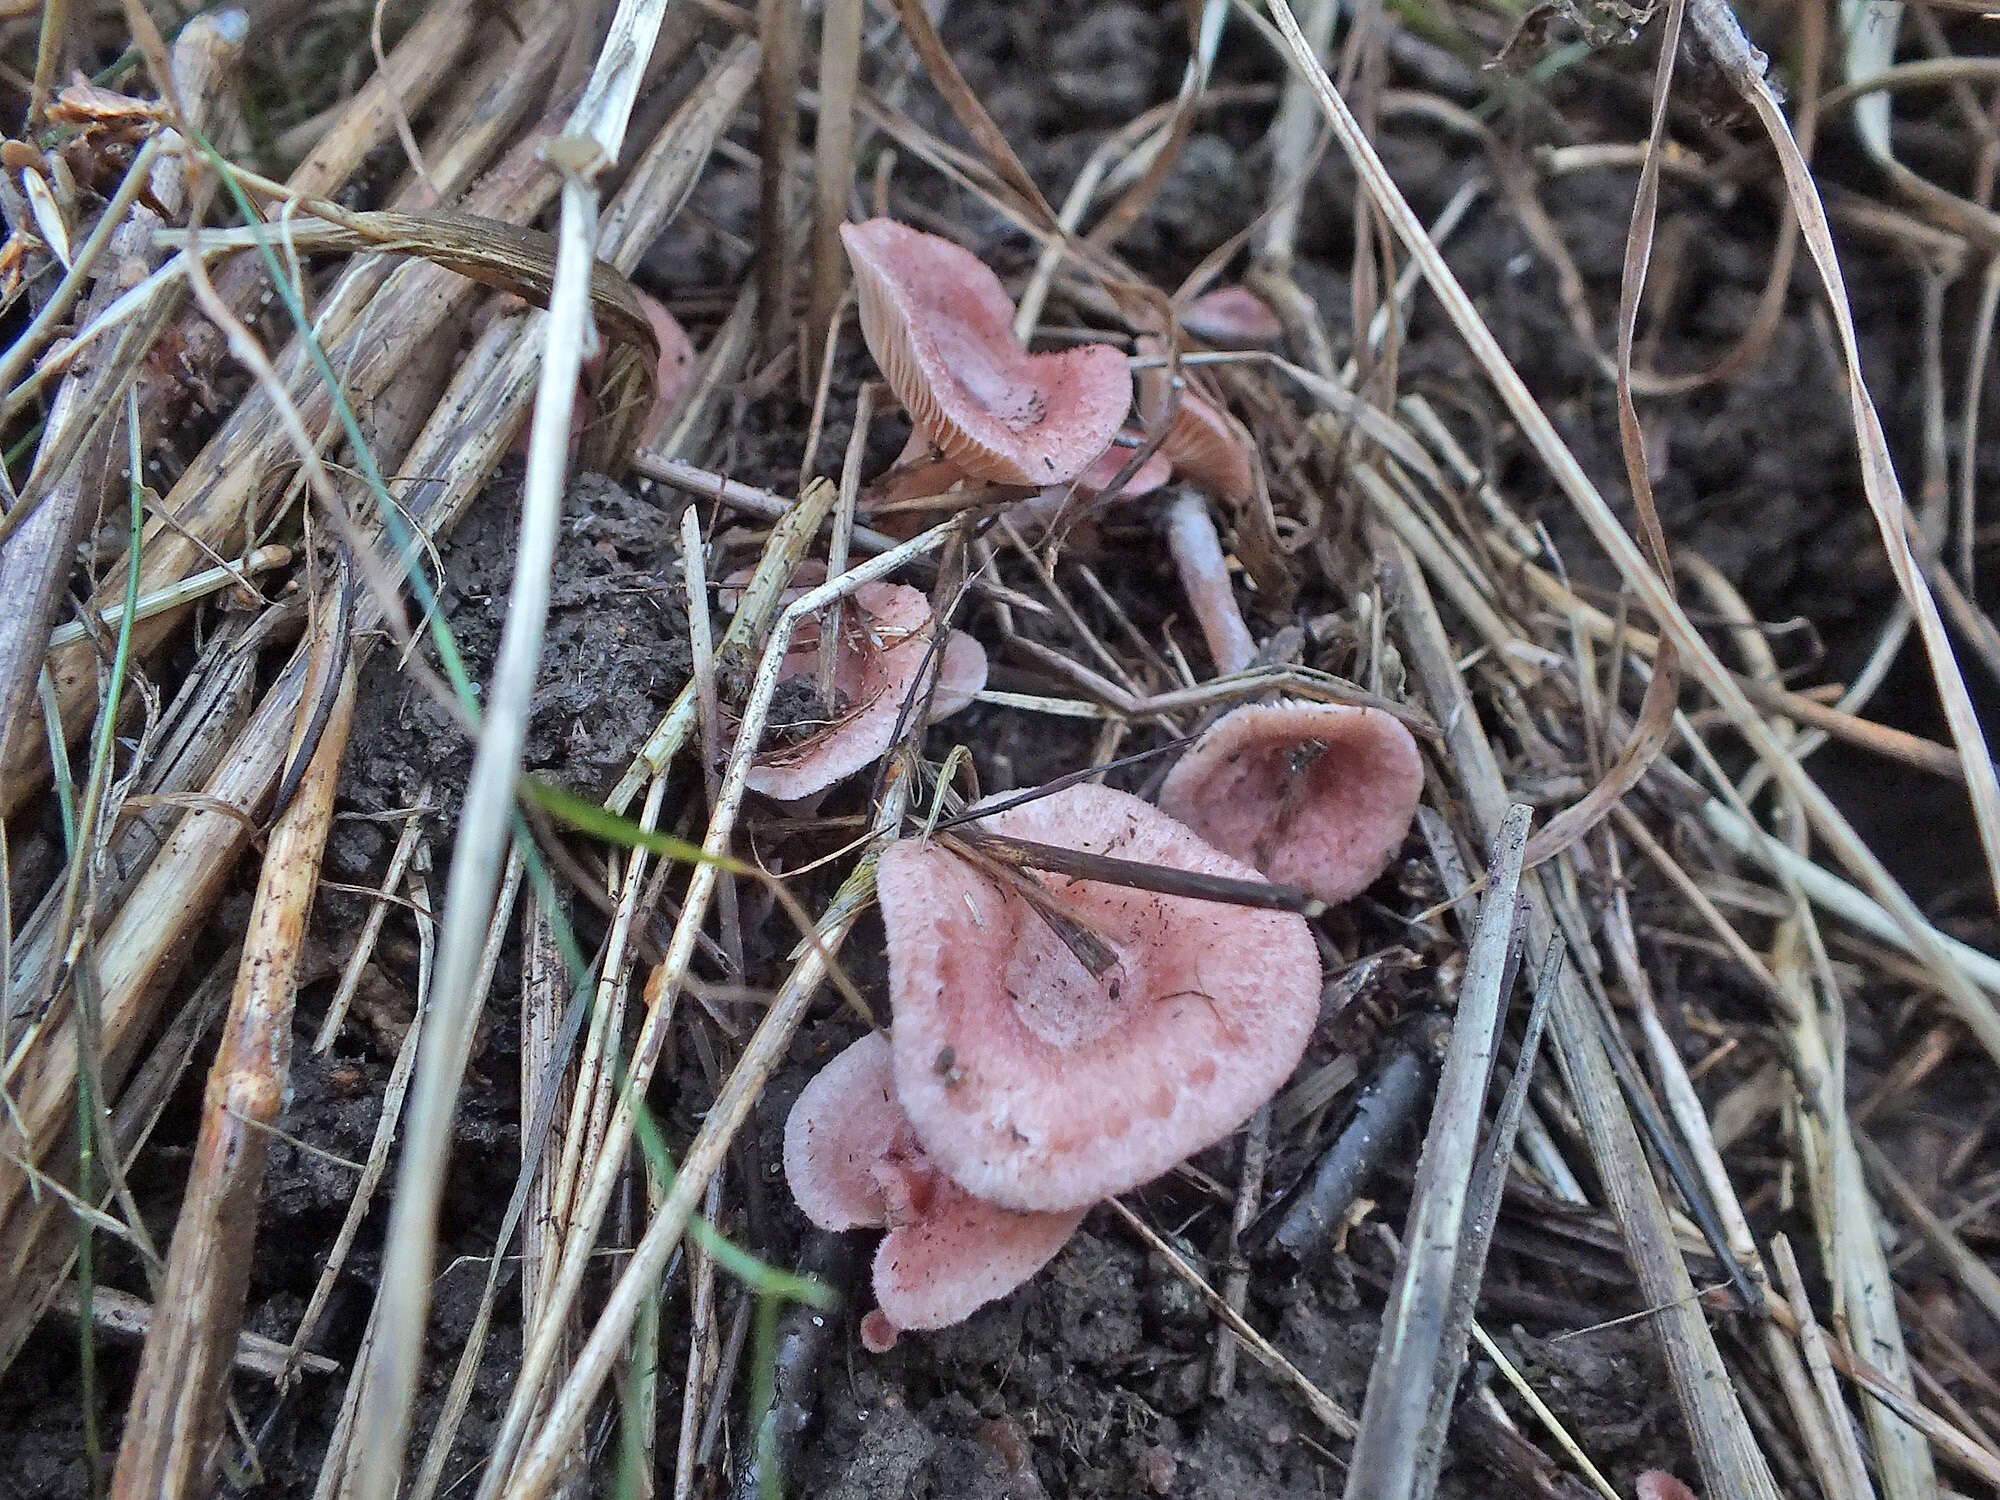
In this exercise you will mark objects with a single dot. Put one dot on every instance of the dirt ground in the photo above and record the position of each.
(1093, 1380)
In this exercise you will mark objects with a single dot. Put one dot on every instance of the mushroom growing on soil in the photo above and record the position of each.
(1232, 317)
(885, 641)
(853, 1162)
(1206, 445)
(940, 326)
(1041, 1085)
(673, 376)
(1318, 795)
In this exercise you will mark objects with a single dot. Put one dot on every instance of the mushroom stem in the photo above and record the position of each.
(1205, 577)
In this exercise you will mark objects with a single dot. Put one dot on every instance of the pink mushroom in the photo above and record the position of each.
(854, 1162)
(676, 371)
(1231, 317)
(1318, 795)
(881, 656)
(1206, 445)
(1039, 1085)
(1657, 1484)
(940, 326)
(1045, 505)
(671, 381)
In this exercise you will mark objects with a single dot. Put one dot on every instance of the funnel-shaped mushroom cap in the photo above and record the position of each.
(854, 1162)
(1038, 1085)
(1205, 444)
(881, 659)
(1233, 317)
(940, 325)
(1317, 795)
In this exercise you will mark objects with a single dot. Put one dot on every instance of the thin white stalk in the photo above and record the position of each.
(389, 1383)
(1825, 889)
(1204, 574)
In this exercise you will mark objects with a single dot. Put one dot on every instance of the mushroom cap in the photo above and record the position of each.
(1035, 1084)
(1658, 1484)
(853, 1161)
(676, 373)
(1053, 500)
(880, 660)
(940, 325)
(1206, 445)
(1153, 473)
(1233, 317)
(1318, 795)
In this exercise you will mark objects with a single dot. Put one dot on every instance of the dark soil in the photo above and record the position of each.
(1093, 1379)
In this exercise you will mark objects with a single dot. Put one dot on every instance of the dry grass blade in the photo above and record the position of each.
(1137, 875)
(1723, 38)
(35, 560)
(1730, 1460)
(1412, 1360)
(591, 143)
(778, 27)
(1611, 535)
(541, 1461)
(833, 167)
(1336, 1418)
(991, 140)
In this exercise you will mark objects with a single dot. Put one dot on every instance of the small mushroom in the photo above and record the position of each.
(1040, 1084)
(674, 376)
(1206, 445)
(1232, 317)
(1042, 508)
(1318, 795)
(940, 326)
(854, 1162)
(1658, 1484)
(884, 643)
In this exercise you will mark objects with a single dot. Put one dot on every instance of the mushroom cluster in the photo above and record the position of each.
(1022, 1083)
(940, 326)
(1060, 1039)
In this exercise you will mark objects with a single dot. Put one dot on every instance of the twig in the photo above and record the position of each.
(1412, 1359)
(176, 1412)
(1330, 1413)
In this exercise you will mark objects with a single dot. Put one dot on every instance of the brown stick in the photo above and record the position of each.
(833, 166)
(175, 1418)
(778, 138)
